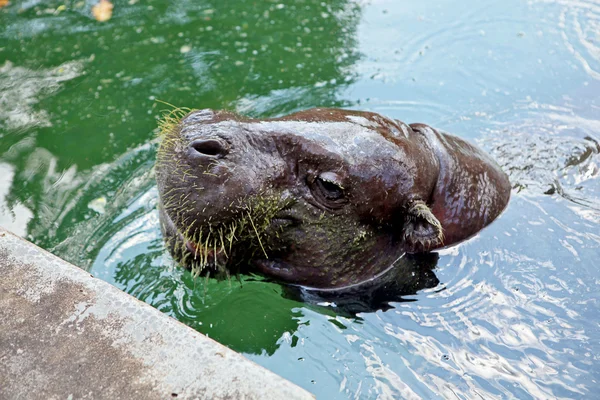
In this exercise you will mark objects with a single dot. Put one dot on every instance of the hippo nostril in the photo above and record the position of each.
(210, 147)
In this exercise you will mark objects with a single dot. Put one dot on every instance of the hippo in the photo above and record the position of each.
(322, 198)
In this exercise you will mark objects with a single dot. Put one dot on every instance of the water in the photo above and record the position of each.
(511, 313)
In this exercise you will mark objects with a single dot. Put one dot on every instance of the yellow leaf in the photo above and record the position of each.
(4, 3)
(101, 11)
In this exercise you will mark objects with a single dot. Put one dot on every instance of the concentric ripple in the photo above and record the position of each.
(579, 22)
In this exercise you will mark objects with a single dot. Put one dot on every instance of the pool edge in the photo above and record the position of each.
(66, 334)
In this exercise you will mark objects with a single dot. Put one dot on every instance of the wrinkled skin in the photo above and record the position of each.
(350, 191)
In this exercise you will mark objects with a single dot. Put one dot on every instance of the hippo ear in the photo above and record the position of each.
(422, 231)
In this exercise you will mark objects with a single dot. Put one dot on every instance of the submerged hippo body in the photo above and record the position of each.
(323, 197)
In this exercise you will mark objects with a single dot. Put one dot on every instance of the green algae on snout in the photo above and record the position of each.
(222, 245)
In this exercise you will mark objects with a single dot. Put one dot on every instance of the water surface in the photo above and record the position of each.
(511, 313)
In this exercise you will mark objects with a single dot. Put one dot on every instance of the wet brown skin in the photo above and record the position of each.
(355, 190)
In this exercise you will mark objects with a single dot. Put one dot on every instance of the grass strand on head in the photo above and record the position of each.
(170, 118)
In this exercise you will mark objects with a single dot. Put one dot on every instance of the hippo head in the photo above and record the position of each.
(322, 198)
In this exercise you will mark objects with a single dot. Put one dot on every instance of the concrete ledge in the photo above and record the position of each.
(67, 335)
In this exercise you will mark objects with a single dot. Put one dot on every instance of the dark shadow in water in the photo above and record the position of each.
(410, 274)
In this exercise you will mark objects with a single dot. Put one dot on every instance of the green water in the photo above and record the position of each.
(510, 313)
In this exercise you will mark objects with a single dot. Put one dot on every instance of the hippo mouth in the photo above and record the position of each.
(187, 250)
(219, 256)
(275, 268)
(213, 257)
(221, 248)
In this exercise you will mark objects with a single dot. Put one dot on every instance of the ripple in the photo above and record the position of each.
(551, 153)
(285, 101)
(388, 384)
(494, 331)
(579, 22)
(427, 110)
(124, 183)
(459, 47)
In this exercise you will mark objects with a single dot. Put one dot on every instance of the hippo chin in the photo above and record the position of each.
(323, 198)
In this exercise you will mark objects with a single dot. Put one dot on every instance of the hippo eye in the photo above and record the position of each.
(330, 190)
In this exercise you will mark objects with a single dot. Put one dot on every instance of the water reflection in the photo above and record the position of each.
(266, 58)
(13, 215)
(506, 325)
(22, 88)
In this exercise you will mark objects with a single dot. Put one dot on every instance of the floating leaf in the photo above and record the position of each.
(102, 11)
